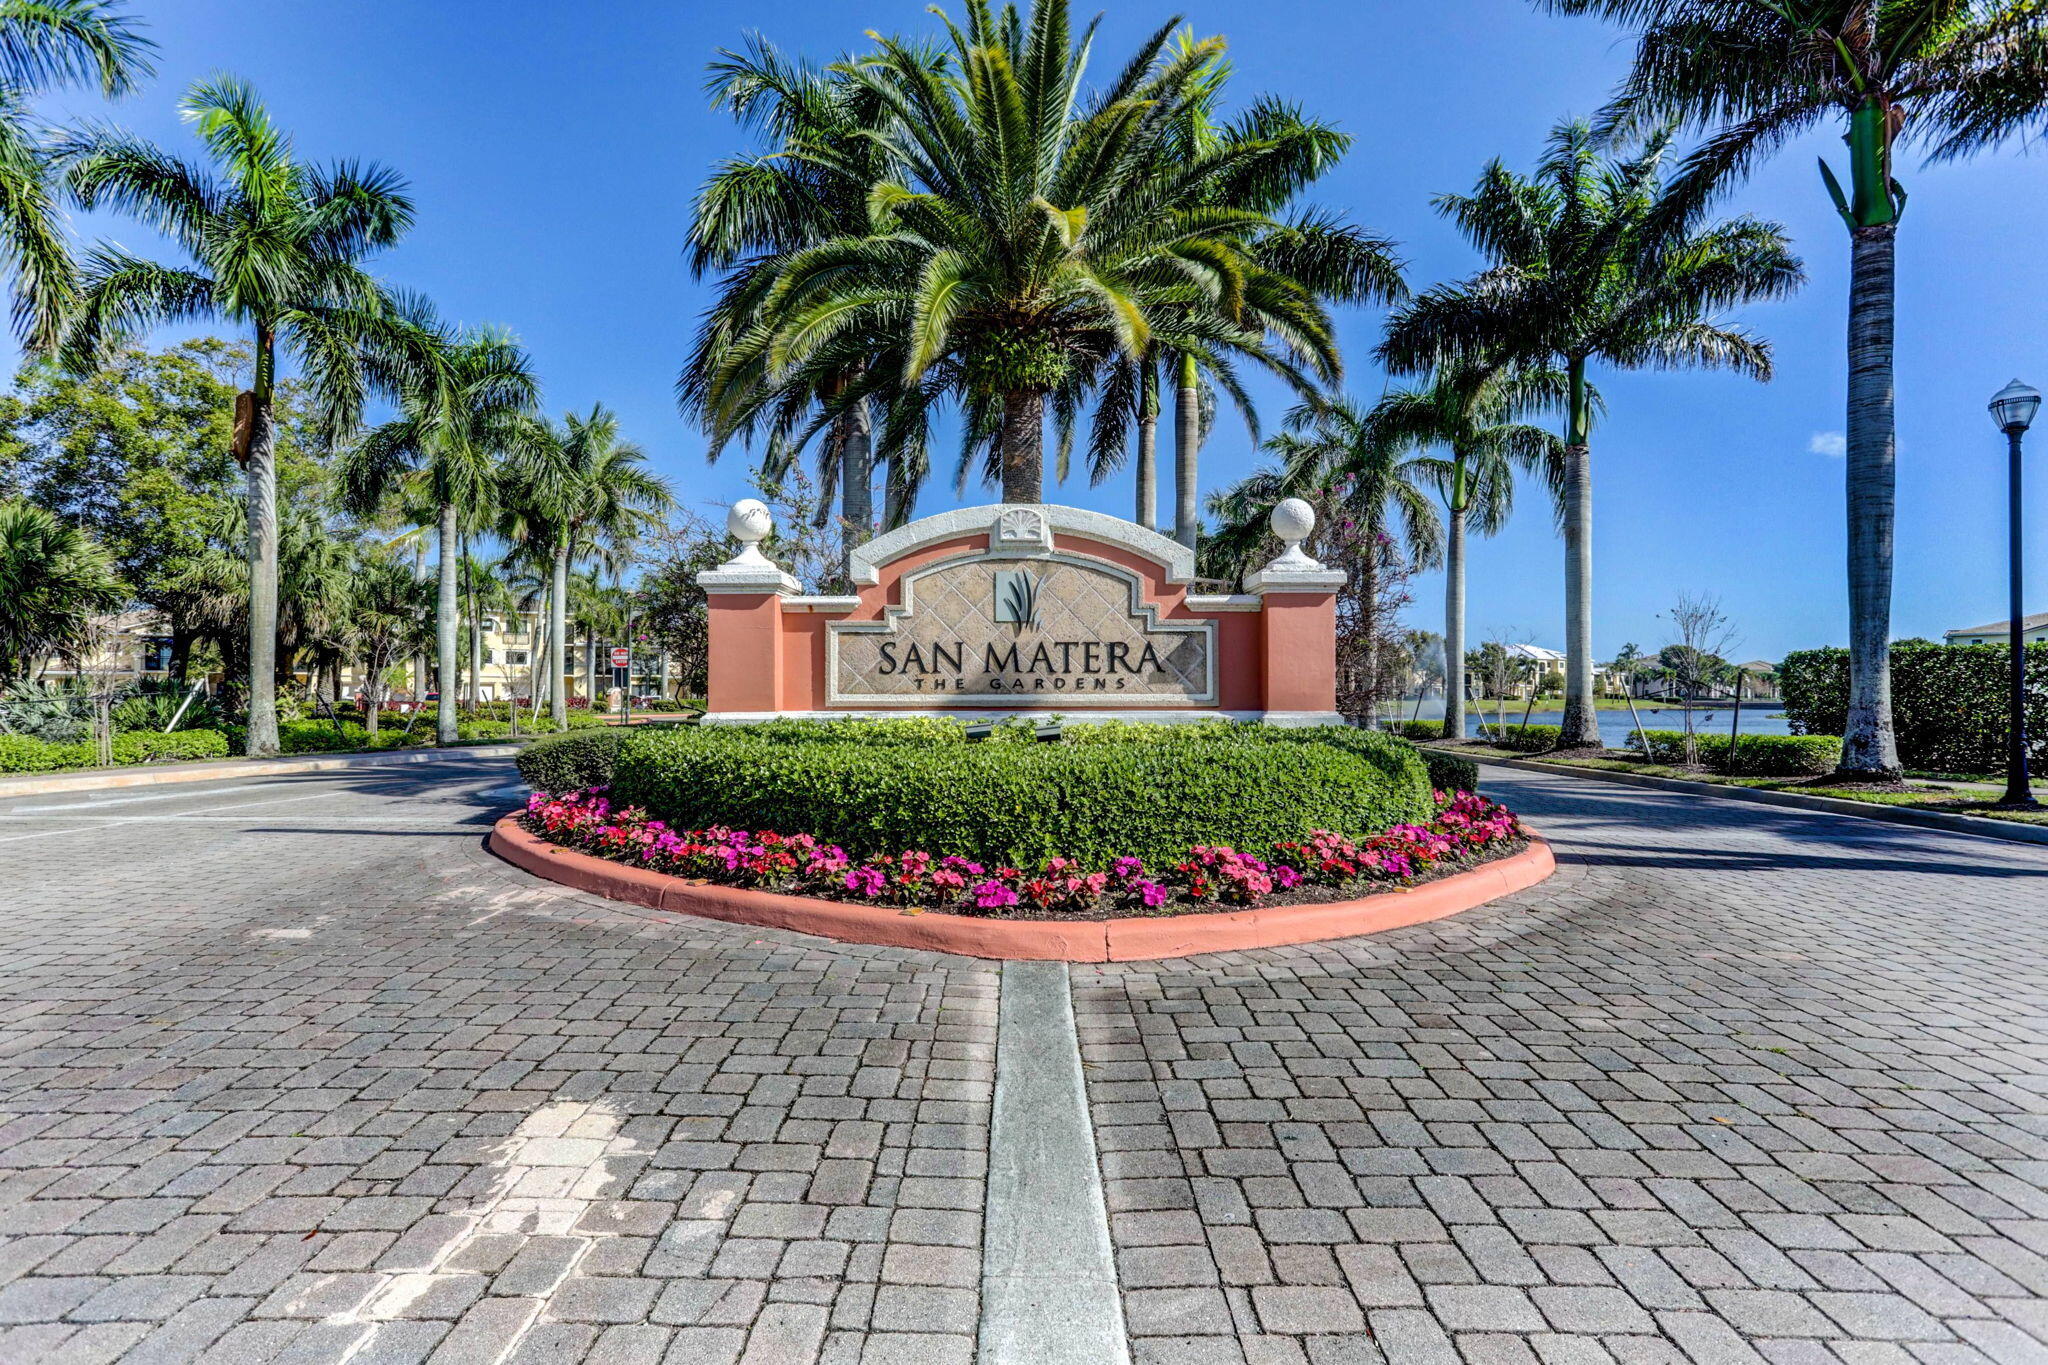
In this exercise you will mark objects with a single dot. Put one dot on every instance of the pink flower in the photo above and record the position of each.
(994, 896)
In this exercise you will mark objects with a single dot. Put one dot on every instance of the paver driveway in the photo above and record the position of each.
(292, 1070)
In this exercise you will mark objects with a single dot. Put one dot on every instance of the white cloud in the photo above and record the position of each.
(1830, 443)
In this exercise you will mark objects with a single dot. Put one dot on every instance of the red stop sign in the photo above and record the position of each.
(621, 657)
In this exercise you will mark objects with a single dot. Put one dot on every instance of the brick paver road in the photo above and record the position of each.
(292, 1070)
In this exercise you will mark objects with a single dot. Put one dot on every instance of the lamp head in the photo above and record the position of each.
(2013, 407)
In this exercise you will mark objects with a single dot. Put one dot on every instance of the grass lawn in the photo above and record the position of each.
(1975, 798)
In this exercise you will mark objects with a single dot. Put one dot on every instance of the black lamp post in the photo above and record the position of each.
(2013, 408)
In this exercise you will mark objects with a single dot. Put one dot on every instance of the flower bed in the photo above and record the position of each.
(1464, 830)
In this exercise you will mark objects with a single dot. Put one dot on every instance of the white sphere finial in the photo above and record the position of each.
(1292, 521)
(749, 522)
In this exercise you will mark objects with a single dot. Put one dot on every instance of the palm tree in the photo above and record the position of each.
(482, 591)
(54, 579)
(811, 187)
(277, 246)
(1592, 261)
(1471, 411)
(1334, 444)
(388, 608)
(45, 44)
(1960, 76)
(581, 491)
(458, 419)
(1031, 238)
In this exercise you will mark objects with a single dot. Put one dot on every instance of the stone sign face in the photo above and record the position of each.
(1041, 629)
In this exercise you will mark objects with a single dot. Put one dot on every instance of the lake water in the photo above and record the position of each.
(1761, 719)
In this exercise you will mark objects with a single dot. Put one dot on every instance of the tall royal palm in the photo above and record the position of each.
(1593, 261)
(1030, 237)
(275, 245)
(582, 491)
(44, 44)
(1472, 413)
(1957, 75)
(459, 416)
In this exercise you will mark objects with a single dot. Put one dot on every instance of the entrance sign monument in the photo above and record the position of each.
(1017, 608)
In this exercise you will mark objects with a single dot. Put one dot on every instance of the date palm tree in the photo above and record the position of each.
(581, 491)
(1956, 75)
(1472, 412)
(459, 417)
(45, 44)
(275, 245)
(1593, 261)
(1030, 237)
(811, 187)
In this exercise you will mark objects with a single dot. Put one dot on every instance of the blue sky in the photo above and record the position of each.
(554, 149)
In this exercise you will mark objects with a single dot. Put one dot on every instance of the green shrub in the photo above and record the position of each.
(581, 758)
(1450, 772)
(1523, 739)
(1150, 792)
(1422, 731)
(1755, 755)
(180, 746)
(23, 754)
(1948, 702)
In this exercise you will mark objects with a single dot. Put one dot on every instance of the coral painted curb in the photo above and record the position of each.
(1115, 940)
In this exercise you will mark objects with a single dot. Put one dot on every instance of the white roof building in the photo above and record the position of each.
(2034, 625)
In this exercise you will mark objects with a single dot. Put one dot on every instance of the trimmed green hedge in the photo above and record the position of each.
(20, 754)
(1109, 791)
(1755, 755)
(581, 758)
(1948, 702)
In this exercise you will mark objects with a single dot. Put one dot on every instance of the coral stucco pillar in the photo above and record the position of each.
(744, 600)
(1298, 625)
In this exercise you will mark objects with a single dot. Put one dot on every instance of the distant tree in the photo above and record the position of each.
(137, 454)
(1705, 637)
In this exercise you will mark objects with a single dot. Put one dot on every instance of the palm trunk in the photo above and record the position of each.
(445, 619)
(1187, 436)
(1454, 607)
(1369, 648)
(1581, 728)
(558, 638)
(262, 517)
(419, 661)
(1147, 511)
(1023, 446)
(537, 669)
(1870, 748)
(857, 477)
(590, 664)
(896, 502)
(476, 651)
